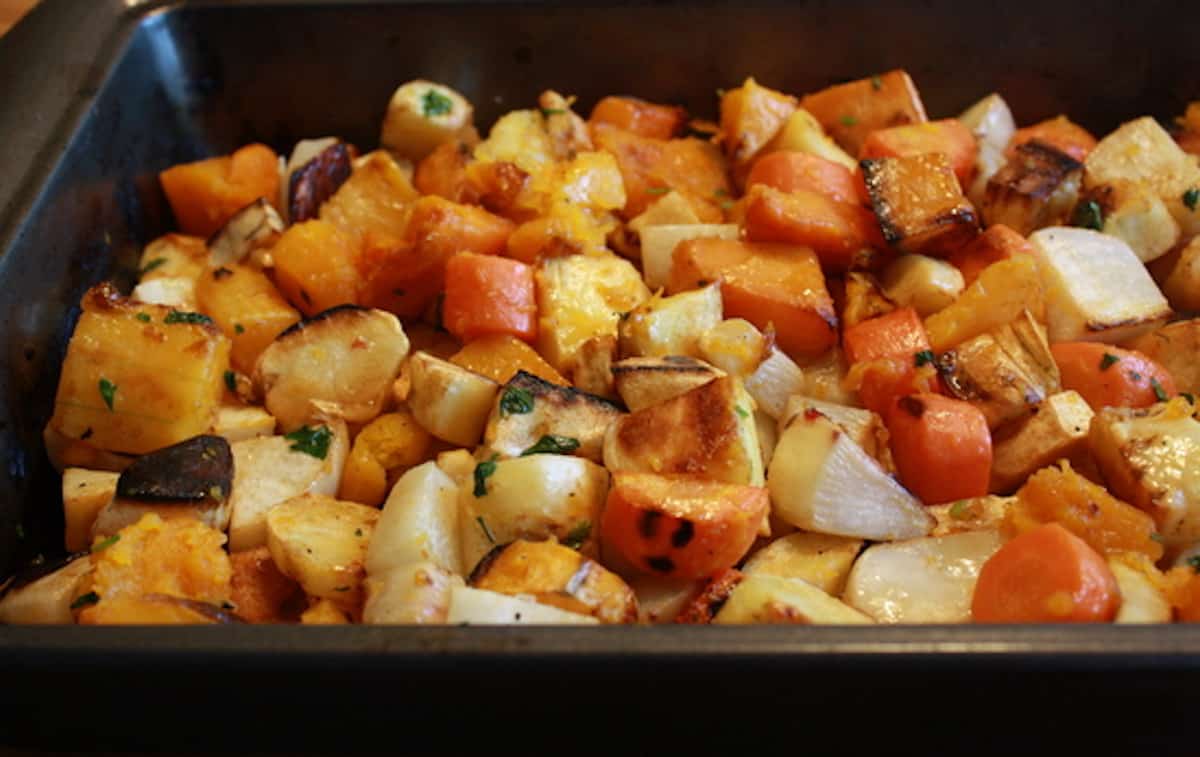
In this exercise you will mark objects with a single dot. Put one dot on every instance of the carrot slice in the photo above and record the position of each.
(789, 171)
(639, 117)
(942, 447)
(486, 294)
(997, 243)
(841, 233)
(1108, 376)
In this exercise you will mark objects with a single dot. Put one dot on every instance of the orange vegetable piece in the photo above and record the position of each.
(851, 111)
(767, 284)
(443, 173)
(1046, 575)
(247, 307)
(500, 356)
(996, 243)
(640, 117)
(259, 591)
(899, 334)
(1108, 376)
(315, 266)
(1183, 592)
(1060, 133)
(205, 194)
(842, 234)
(681, 527)
(942, 447)
(948, 136)
(489, 295)
(751, 116)
(920, 204)
(790, 171)
(1108, 525)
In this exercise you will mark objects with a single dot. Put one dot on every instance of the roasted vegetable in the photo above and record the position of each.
(1058, 430)
(820, 559)
(479, 607)
(419, 524)
(313, 182)
(206, 194)
(48, 598)
(528, 409)
(449, 402)
(421, 115)
(851, 111)
(85, 494)
(322, 543)
(413, 593)
(1038, 187)
(919, 203)
(245, 236)
(646, 381)
(779, 600)
(670, 325)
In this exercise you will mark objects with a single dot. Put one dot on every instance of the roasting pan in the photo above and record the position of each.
(96, 96)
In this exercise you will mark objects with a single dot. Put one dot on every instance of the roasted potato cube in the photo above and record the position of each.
(646, 381)
(1133, 213)
(820, 559)
(419, 524)
(248, 309)
(1057, 430)
(774, 599)
(47, 599)
(923, 283)
(992, 124)
(1096, 288)
(558, 576)
(85, 493)
(659, 242)
(1175, 347)
(919, 204)
(708, 431)
(976, 514)
(751, 116)
(1005, 373)
(851, 111)
(921, 581)
(1149, 458)
(321, 542)
(450, 402)
(528, 408)
(414, 593)
(480, 607)
(670, 325)
(341, 362)
(139, 377)
(1038, 187)
(421, 115)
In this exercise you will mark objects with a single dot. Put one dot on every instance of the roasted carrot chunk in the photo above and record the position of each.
(1060, 133)
(851, 111)
(843, 235)
(942, 447)
(920, 204)
(1046, 575)
(897, 334)
(948, 136)
(790, 171)
(1108, 376)
(767, 284)
(884, 353)
(640, 117)
(206, 194)
(996, 243)
(489, 295)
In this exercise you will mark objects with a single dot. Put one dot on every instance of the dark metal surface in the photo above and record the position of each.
(96, 96)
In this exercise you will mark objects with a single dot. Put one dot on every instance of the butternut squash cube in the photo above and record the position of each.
(247, 307)
(919, 203)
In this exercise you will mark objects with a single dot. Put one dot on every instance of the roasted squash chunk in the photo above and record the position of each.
(919, 203)
(851, 111)
(247, 307)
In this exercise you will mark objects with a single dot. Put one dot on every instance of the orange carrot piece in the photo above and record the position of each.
(899, 334)
(851, 111)
(1107, 376)
(486, 294)
(996, 243)
(1060, 132)
(1047, 575)
(840, 233)
(947, 136)
(767, 284)
(205, 194)
(942, 447)
(789, 171)
(639, 117)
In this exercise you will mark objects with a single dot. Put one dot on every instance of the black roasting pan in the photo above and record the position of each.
(96, 96)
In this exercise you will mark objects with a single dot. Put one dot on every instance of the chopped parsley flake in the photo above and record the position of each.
(1159, 393)
(1108, 361)
(84, 600)
(150, 266)
(552, 444)
(108, 391)
(516, 401)
(741, 411)
(482, 472)
(231, 381)
(961, 510)
(578, 535)
(876, 83)
(434, 103)
(239, 328)
(486, 531)
(1191, 198)
(311, 441)
(181, 316)
(143, 317)
(1194, 562)
(1089, 215)
(103, 545)
(924, 357)
(547, 112)
(848, 120)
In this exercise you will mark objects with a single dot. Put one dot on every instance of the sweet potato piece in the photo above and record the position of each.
(1036, 188)
(780, 285)
(1060, 133)
(851, 111)
(640, 117)
(996, 243)
(919, 203)
(500, 356)
(948, 136)
(751, 116)
(788, 171)
(315, 267)
(206, 194)
(843, 235)
(258, 591)
(247, 307)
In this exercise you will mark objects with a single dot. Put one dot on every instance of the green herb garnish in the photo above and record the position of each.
(924, 357)
(434, 103)
(143, 317)
(1159, 393)
(578, 535)
(231, 381)
(1089, 215)
(84, 600)
(516, 401)
(182, 316)
(552, 444)
(486, 531)
(482, 472)
(1191, 198)
(1156, 537)
(547, 112)
(341, 588)
(108, 390)
(311, 441)
(741, 411)
(150, 266)
(358, 532)
(848, 121)
(103, 545)
(1108, 361)
(239, 328)
(961, 510)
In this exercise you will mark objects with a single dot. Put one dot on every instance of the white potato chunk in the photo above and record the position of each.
(991, 121)
(421, 115)
(1141, 600)
(48, 599)
(821, 481)
(820, 559)
(450, 402)
(238, 423)
(411, 594)
(480, 607)
(772, 599)
(1057, 431)
(341, 363)
(321, 543)
(659, 242)
(268, 470)
(921, 581)
(923, 283)
(419, 523)
(1096, 288)
(670, 325)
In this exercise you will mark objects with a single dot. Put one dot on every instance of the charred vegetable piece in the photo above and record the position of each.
(253, 227)
(529, 409)
(919, 203)
(310, 185)
(1036, 188)
(197, 470)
